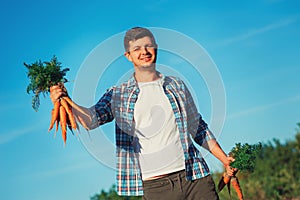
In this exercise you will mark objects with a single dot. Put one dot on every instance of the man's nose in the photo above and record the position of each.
(144, 50)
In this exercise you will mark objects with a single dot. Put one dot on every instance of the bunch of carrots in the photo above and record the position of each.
(244, 156)
(42, 76)
(62, 113)
(233, 180)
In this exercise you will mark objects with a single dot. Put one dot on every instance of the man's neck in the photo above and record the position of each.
(146, 75)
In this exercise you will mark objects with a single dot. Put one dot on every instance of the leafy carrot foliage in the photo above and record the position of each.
(245, 156)
(42, 76)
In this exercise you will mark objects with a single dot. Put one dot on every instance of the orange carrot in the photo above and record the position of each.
(54, 114)
(57, 124)
(69, 124)
(226, 178)
(69, 111)
(63, 122)
(236, 185)
(76, 107)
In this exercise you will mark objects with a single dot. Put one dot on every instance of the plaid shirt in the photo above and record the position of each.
(118, 103)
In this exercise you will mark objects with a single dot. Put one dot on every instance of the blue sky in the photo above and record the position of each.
(254, 44)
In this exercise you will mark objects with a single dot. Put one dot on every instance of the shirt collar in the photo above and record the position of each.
(132, 81)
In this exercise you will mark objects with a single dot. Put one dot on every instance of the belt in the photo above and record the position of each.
(163, 175)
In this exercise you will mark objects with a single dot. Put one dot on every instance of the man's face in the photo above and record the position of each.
(142, 53)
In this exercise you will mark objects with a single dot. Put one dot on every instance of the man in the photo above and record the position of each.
(155, 118)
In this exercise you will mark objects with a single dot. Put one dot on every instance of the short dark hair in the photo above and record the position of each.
(135, 34)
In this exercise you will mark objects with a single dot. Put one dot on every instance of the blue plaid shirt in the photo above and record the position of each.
(118, 104)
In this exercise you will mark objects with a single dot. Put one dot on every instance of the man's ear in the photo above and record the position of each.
(128, 56)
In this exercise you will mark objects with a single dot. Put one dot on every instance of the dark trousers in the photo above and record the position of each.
(175, 187)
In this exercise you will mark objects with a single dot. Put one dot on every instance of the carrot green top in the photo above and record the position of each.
(42, 76)
(245, 156)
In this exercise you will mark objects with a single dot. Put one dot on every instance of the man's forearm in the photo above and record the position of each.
(217, 151)
(85, 116)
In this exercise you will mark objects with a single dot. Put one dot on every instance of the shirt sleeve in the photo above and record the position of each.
(204, 136)
(101, 112)
(197, 127)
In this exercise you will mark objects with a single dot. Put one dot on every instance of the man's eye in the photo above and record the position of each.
(150, 46)
(136, 49)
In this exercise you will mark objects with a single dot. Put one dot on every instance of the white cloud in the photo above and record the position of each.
(262, 107)
(13, 134)
(63, 170)
(257, 31)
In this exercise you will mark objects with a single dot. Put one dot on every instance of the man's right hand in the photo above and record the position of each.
(55, 93)
(82, 114)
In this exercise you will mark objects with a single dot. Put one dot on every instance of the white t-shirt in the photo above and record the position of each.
(158, 143)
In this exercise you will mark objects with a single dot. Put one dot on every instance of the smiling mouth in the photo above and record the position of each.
(146, 59)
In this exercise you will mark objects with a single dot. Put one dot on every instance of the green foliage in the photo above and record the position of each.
(278, 169)
(276, 175)
(245, 156)
(112, 195)
(42, 76)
